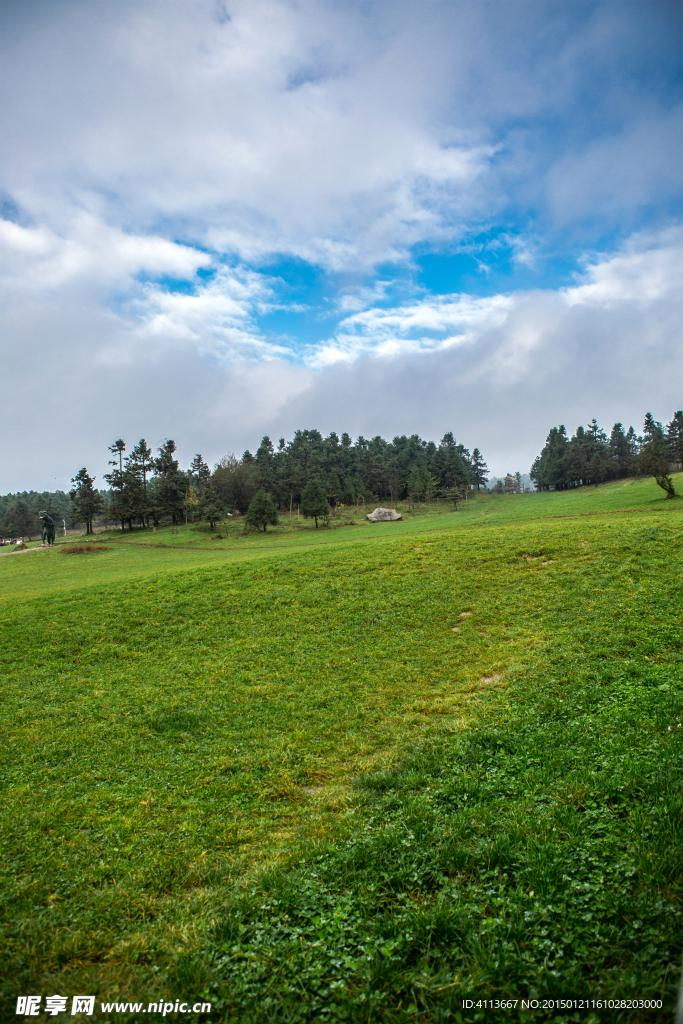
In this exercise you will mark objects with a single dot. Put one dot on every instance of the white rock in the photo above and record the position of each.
(384, 515)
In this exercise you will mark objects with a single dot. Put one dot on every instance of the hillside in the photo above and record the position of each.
(445, 741)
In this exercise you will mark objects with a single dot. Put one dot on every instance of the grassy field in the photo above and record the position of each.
(361, 773)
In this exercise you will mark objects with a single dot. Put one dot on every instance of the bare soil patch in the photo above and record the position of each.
(84, 549)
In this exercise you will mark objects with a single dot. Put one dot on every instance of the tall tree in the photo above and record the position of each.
(170, 484)
(655, 455)
(479, 469)
(550, 469)
(200, 471)
(264, 463)
(138, 466)
(419, 483)
(86, 501)
(119, 507)
(22, 522)
(674, 434)
(619, 452)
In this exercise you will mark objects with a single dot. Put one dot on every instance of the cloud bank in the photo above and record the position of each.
(217, 220)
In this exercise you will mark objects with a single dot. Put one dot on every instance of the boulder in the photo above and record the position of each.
(384, 515)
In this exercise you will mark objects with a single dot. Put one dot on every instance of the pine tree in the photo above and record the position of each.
(264, 463)
(418, 483)
(261, 511)
(210, 506)
(674, 434)
(119, 507)
(551, 468)
(20, 520)
(139, 465)
(479, 469)
(619, 451)
(200, 471)
(86, 502)
(170, 484)
(314, 502)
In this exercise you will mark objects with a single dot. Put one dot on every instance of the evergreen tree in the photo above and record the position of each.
(200, 471)
(314, 502)
(170, 484)
(674, 434)
(479, 469)
(655, 455)
(261, 511)
(139, 466)
(633, 449)
(86, 502)
(619, 453)
(210, 506)
(550, 469)
(119, 505)
(264, 463)
(21, 521)
(418, 483)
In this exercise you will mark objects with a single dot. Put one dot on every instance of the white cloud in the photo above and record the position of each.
(38, 258)
(217, 319)
(424, 326)
(498, 371)
(649, 268)
(339, 133)
(150, 140)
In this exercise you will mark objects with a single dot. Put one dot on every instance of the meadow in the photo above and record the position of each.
(362, 773)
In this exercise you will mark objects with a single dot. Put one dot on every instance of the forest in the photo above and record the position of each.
(146, 488)
(591, 457)
(150, 488)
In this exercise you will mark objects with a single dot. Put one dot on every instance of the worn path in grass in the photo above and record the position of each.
(168, 714)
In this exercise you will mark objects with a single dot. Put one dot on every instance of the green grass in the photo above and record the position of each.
(288, 774)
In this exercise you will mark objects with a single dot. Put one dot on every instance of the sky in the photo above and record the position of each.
(224, 219)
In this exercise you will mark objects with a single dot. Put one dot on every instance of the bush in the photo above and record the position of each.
(314, 502)
(261, 511)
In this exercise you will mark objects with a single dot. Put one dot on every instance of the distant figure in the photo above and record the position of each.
(48, 529)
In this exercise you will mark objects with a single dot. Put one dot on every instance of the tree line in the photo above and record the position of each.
(149, 488)
(19, 512)
(591, 457)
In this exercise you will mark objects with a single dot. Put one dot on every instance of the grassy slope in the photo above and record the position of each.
(169, 711)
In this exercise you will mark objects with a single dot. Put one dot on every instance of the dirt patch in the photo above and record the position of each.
(465, 615)
(312, 790)
(491, 679)
(84, 549)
